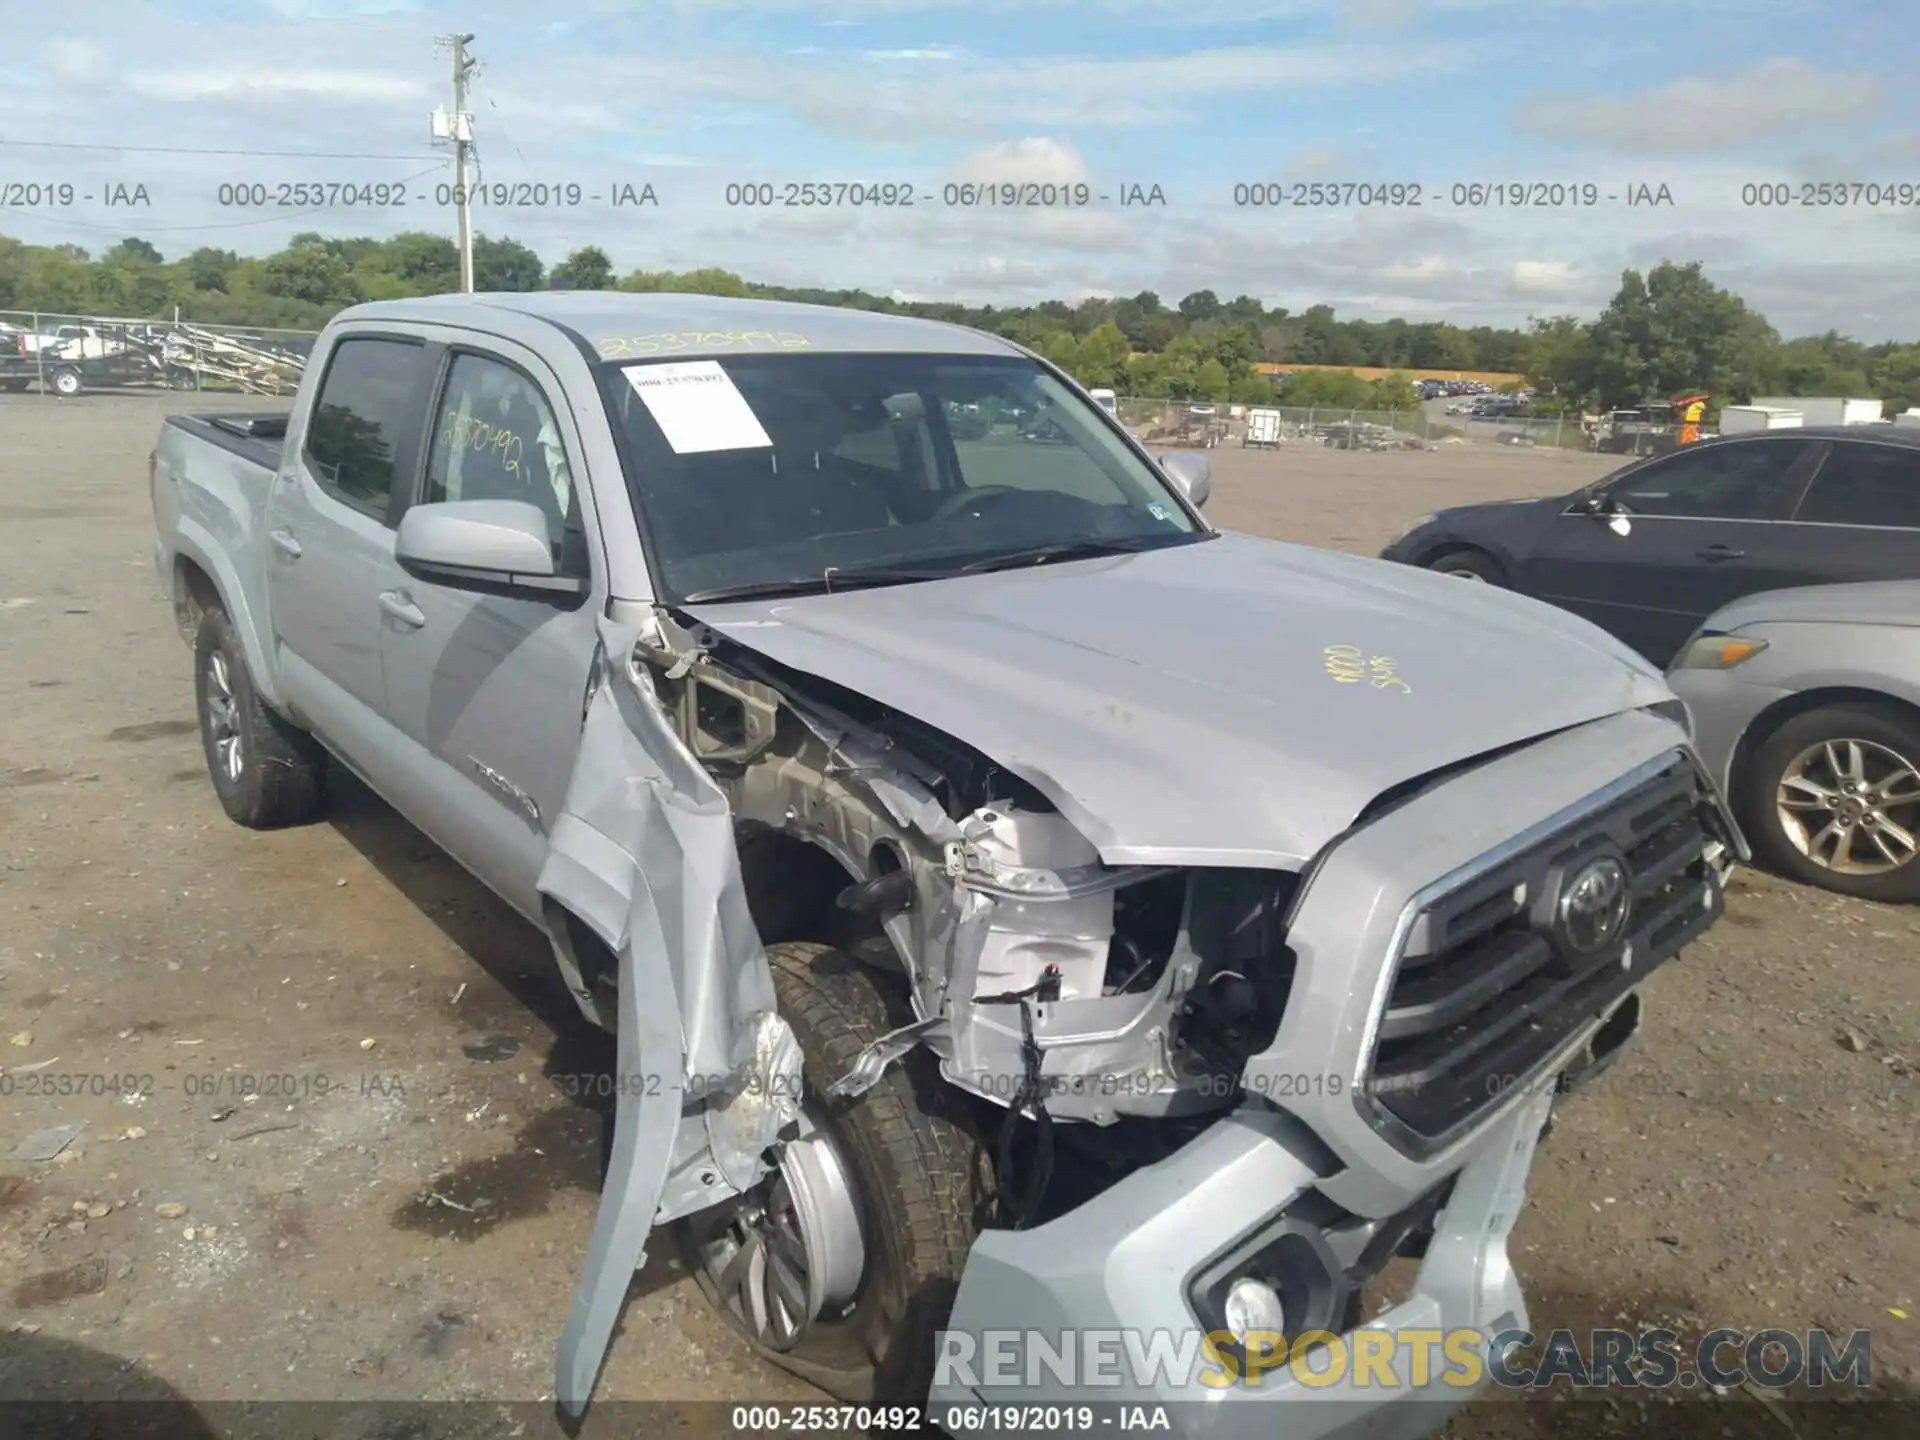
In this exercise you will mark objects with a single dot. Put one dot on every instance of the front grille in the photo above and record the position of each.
(1488, 984)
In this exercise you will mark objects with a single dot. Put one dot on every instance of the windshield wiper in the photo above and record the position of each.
(1089, 548)
(833, 580)
(830, 581)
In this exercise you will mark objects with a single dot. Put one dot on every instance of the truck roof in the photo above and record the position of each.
(617, 324)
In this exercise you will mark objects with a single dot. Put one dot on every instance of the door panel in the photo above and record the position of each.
(329, 544)
(1860, 519)
(488, 693)
(1692, 531)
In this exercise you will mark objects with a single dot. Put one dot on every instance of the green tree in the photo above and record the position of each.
(1102, 358)
(313, 273)
(587, 268)
(426, 264)
(1674, 331)
(136, 250)
(208, 268)
(1212, 380)
(505, 265)
(1201, 305)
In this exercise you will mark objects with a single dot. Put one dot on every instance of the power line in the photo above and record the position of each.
(194, 150)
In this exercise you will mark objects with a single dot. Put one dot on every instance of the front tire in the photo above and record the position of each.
(1475, 565)
(267, 773)
(1832, 799)
(920, 1179)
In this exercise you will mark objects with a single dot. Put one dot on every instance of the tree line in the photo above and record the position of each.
(1665, 332)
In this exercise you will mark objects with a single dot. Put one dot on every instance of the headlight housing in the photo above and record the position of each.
(1718, 652)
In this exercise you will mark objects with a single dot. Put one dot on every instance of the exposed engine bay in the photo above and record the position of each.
(1043, 978)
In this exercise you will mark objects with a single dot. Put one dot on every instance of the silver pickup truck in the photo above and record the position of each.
(1021, 907)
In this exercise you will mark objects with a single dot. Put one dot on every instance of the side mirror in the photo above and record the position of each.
(493, 546)
(1189, 470)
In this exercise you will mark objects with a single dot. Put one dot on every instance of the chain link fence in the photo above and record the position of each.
(1206, 425)
(66, 355)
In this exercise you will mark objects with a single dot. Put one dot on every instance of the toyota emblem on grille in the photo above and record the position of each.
(1593, 906)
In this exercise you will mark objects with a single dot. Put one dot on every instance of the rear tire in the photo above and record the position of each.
(267, 773)
(66, 382)
(1464, 564)
(921, 1175)
(1794, 761)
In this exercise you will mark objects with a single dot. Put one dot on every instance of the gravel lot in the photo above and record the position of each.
(357, 1074)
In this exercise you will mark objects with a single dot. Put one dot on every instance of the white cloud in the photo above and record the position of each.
(1702, 113)
(912, 55)
(1035, 160)
(75, 62)
(1550, 277)
(247, 84)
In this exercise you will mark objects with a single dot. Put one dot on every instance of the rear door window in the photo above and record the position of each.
(1866, 484)
(1747, 480)
(366, 412)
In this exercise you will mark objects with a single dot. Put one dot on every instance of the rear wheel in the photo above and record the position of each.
(266, 772)
(842, 1266)
(1474, 565)
(1832, 798)
(66, 382)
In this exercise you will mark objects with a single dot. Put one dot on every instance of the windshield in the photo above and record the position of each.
(803, 471)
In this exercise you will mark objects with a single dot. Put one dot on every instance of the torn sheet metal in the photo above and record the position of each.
(644, 827)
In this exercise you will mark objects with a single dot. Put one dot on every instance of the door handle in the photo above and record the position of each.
(397, 604)
(1711, 553)
(284, 542)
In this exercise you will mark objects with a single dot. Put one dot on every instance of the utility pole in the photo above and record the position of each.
(458, 127)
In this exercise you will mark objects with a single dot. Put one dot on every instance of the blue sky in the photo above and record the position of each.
(692, 95)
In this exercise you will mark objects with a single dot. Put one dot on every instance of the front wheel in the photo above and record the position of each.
(842, 1266)
(1474, 565)
(1832, 798)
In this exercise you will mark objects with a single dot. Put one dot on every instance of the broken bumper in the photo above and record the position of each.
(1118, 1276)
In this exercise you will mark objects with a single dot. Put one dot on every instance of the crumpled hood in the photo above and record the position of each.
(1182, 706)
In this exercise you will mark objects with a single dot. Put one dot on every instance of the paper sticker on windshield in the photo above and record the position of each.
(1158, 511)
(697, 406)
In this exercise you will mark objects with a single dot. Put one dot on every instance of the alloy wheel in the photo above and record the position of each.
(1852, 806)
(790, 1250)
(223, 719)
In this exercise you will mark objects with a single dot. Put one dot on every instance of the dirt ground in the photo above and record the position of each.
(359, 1076)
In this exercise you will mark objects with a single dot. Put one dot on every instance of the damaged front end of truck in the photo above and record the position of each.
(1319, 1093)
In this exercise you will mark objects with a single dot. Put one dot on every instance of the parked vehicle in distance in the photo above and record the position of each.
(1106, 400)
(22, 367)
(1806, 703)
(1263, 429)
(1650, 550)
(910, 805)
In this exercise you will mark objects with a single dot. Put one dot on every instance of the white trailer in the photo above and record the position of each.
(1826, 409)
(1740, 419)
(1908, 419)
(1263, 429)
(1106, 400)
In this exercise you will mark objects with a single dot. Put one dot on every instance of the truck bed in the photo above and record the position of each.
(252, 434)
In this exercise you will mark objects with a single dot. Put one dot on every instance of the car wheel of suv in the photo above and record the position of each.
(1832, 798)
(267, 773)
(842, 1266)
(1468, 565)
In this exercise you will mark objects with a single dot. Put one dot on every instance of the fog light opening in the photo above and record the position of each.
(1253, 1307)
